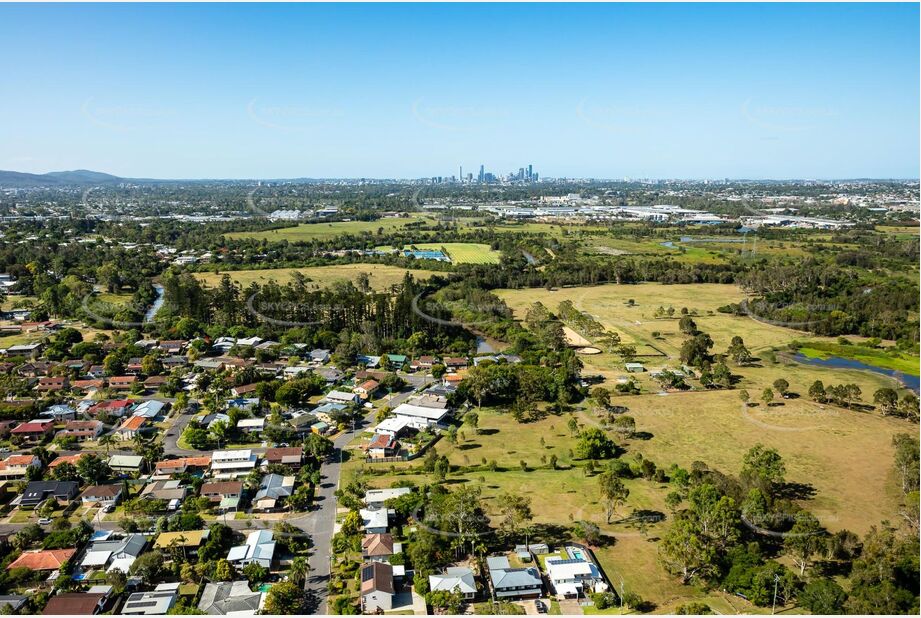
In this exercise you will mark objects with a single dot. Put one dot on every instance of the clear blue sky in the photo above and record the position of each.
(639, 90)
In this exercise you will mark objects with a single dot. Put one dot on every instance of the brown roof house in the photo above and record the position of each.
(377, 588)
(288, 456)
(379, 547)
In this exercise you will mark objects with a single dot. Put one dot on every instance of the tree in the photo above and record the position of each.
(255, 573)
(887, 399)
(573, 425)
(763, 468)
(284, 598)
(687, 325)
(602, 398)
(782, 386)
(472, 419)
(148, 566)
(744, 396)
(804, 540)
(907, 458)
(594, 444)
(93, 470)
(683, 552)
(223, 571)
(450, 602)
(625, 425)
(515, 512)
(767, 396)
(613, 492)
(823, 596)
(817, 391)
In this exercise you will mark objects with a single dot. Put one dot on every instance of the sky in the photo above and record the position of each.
(417, 90)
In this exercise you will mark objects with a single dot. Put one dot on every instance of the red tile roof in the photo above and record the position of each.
(42, 560)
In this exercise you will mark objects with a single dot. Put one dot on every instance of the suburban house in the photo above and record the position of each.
(113, 553)
(367, 388)
(153, 383)
(225, 494)
(231, 464)
(183, 464)
(172, 347)
(453, 363)
(34, 430)
(379, 547)
(131, 427)
(259, 549)
(272, 490)
(122, 383)
(251, 425)
(82, 430)
(190, 540)
(458, 579)
(377, 497)
(116, 408)
(37, 492)
(17, 466)
(103, 495)
(60, 413)
(88, 385)
(377, 588)
(573, 579)
(420, 417)
(157, 602)
(166, 490)
(244, 389)
(509, 583)
(75, 604)
(341, 397)
(12, 603)
(126, 464)
(66, 459)
(286, 456)
(383, 445)
(42, 559)
(230, 599)
(150, 408)
(375, 519)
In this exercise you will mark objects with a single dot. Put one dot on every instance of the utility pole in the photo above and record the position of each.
(774, 604)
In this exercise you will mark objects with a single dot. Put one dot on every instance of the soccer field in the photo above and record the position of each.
(464, 252)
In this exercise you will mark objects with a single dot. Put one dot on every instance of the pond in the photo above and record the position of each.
(836, 362)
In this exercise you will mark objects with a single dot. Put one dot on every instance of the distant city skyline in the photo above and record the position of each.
(661, 91)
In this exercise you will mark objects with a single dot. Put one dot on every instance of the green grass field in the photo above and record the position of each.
(459, 252)
(381, 276)
(312, 231)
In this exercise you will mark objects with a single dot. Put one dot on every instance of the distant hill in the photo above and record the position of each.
(55, 179)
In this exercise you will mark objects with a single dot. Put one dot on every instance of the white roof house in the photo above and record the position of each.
(251, 424)
(259, 548)
(574, 578)
(455, 578)
(420, 417)
(228, 464)
(392, 426)
(377, 497)
(149, 408)
(341, 397)
(375, 519)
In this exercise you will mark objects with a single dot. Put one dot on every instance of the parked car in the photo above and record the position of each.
(108, 508)
(44, 521)
(540, 607)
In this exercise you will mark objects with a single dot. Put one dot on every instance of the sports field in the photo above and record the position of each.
(312, 231)
(380, 276)
(459, 252)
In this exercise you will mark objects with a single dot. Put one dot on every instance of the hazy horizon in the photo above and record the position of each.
(189, 92)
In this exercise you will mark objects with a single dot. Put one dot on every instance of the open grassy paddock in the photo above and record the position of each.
(841, 460)
(381, 276)
(311, 231)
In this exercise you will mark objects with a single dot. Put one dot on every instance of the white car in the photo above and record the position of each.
(44, 521)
